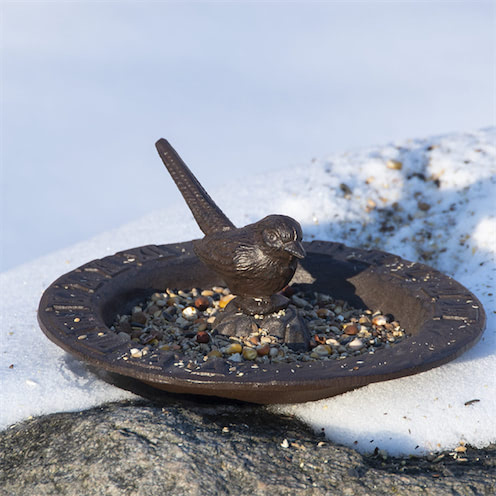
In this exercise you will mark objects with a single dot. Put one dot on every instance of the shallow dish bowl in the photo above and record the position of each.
(441, 318)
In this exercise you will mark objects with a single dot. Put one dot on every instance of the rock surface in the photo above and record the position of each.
(202, 447)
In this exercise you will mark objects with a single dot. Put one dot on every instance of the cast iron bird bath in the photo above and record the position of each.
(441, 317)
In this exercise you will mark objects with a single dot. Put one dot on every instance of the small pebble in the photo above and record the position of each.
(183, 321)
(356, 344)
(300, 302)
(351, 330)
(202, 303)
(225, 300)
(249, 353)
(322, 350)
(323, 313)
(214, 353)
(190, 313)
(379, 320)
(202, 337)
(263, 349)
(394, 164)
(236, 357)
(156, 296)
(153, 309)
(202, 325)
(139, 318)
(233, 348)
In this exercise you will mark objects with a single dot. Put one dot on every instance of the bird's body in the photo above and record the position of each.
(246, 263)
(255, 261)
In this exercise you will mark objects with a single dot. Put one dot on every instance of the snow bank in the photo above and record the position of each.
(426, 200)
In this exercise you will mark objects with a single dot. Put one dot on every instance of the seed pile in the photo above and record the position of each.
(184, 321)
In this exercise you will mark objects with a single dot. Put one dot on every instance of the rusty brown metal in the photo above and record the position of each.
(442, 319)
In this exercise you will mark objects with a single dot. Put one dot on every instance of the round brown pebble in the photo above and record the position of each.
(351, 330)
(202, 303)
(202, 337)
(263, 349)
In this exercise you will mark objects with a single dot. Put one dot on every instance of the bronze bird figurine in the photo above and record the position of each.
(256, 261)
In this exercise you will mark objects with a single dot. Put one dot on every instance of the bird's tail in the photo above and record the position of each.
(207, 214)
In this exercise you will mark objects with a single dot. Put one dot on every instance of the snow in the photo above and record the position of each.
(88, 86)
(437, 209)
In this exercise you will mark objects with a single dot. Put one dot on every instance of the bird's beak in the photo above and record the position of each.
(295, 248)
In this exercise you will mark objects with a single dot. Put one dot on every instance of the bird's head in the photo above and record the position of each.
(282, 233)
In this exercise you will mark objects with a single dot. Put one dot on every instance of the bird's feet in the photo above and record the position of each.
(288, 327)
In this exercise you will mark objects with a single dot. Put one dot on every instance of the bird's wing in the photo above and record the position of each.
(207, 214)
(216, 254)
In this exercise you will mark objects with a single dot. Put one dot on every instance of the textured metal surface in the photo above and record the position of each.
(255, 261)
(441, 317)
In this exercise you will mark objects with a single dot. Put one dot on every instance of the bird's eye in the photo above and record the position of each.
(270, 236)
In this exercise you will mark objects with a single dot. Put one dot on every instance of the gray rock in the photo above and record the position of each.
(208, 447)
